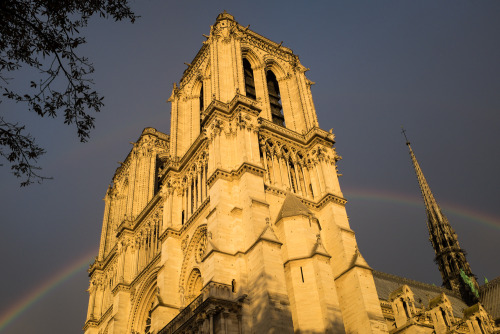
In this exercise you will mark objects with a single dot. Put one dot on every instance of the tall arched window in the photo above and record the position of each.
(249, 80)
(274, 99)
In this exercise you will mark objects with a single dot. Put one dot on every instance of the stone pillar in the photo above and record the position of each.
(189, 197)
(199, 186)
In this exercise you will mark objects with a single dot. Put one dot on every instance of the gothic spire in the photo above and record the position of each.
(450, 258)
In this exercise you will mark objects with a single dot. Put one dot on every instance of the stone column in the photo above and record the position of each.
(204, 181)
(189, 199)
(297, 180)
(274, 169)
(264, 161)
(289, 174)
(168, 207)
(199, 186)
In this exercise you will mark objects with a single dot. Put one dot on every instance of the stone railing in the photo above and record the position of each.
(213, 298)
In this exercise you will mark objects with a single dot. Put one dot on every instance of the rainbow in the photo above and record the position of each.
(416, 201)
(50, 284)
(351, 194)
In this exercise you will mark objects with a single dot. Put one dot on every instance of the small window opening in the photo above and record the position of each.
(480, 324)
(233, 285)
(182, 217)
(275, 99)
(302, 274)
(405, 308)
(445, 318)
(249, 80)
(201, 97)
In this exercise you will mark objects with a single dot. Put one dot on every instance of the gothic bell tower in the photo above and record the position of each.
(450, 258)
(245, 229)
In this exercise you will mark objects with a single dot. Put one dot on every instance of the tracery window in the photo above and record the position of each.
(275, 99)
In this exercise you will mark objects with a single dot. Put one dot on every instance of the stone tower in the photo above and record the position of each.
(235, 222)
(455, 270)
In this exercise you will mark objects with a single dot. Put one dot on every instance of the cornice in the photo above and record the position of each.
(170, 232)
(90, 323)
(328, 197)
(352, 267)
(120, 287)
(235, 174)
(218, 108)
(314, 135)
(287, 262)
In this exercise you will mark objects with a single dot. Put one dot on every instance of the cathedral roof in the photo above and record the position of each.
(292, 206)
(422, 292)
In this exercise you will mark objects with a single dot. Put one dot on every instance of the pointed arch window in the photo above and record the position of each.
(249, 80)
(275, 99)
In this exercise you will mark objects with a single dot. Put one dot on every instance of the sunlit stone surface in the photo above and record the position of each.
(235, 222)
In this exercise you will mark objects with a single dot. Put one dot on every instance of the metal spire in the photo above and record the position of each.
(454, 268)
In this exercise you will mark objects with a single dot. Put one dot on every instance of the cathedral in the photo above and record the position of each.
(235, 221)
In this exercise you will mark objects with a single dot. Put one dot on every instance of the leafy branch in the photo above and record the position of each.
(43, 35)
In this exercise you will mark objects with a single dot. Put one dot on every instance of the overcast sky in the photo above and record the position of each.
(432, 66)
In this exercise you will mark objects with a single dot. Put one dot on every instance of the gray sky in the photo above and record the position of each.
(432, 66)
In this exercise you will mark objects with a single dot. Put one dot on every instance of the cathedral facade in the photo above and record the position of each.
(236, 223)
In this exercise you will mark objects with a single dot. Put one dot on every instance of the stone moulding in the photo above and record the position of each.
(227, 109)
(90, 323)
(235, 174)
(315, 135)
(170, 232)
(313, 205)
(120, 287)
